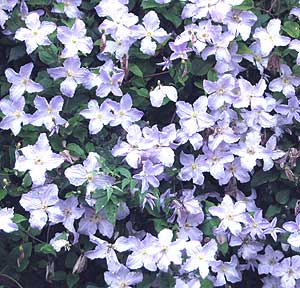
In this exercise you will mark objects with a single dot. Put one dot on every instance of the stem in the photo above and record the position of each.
(11, 279)
(31, 236)
(156, 74)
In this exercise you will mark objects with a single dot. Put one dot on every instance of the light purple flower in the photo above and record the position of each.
(148, 175)
(291, 110)
(255, 225)
(193, 168)
(38, 159)
(98, 116)
(14, 114)
(72, 72)
(74, 39)
(110, 84)
(123, 113)
(21, 81)
(179, 51)
(169, 251)
(93, 221)
(220, 91)
(6, 5)
(159, 93)
(288, 270)
(231, 214)
(36, 32)
(270, 153)
(194, 118)
(270, 37)
(7, 225)
(122, 278)
(200, 257)
(286, 82)
(240, 22)
(273, 230)
(70, 8)
(268, 261)
(88, 173)
(294, 229)
(48, 113)
(226, 271)
(148, 31)
(66, 212)
(295, 45)
(39, 202)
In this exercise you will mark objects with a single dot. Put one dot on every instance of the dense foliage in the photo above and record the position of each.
(149, 143)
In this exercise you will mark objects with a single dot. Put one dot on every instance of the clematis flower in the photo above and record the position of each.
(234, 169)
(270, 37)
(39, 203)
(193, 168)
(286, 82)
(48, 113)
(160, 92)
(110, 84)
(291, 110)
(74, 39)
(6, 5)
(270, 153)
(98, 116)
(70, 8)
(249, 150)
(226, 271)
(144, 253)
(197, 9)
(123, 113)
(273, 230)
(7, 225)
(122, 278)
(295, 45)
(269, 260)
(294, 229)
(88, 172)
(231, 215)
(148, 31)
(21, 81)
(38, 159)
(106, 250)
(93, 221)
(66, 213)
(169, 251)
(59, 241)
(148, 175)
(240, 22)
(72, 72)
(194, 118)
(36, 32)
(288, 270)
(179, 51)
(200, 257)
(255, 225)
(220, 91)
(14, 114)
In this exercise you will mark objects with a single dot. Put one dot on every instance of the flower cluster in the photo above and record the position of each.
(160, 137)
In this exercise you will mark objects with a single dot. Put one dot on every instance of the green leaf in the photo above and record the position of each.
(101, 202)
(75, 150)
(111, 212)
(149, 4)
(27, 181)
(209, 225)
(291, 28)
(272, 211)
(133, 68)
(3, 194)
(16, 53)
(18, 218)
(59, 6)
(246, 5)
(200, 67)
(244, 49)
(45, 248)
(124, 172)
(72, 280)
(212, 75)
(261, 177)
(223, 248)
(282, 196)
(205, 283)
(48, 54)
